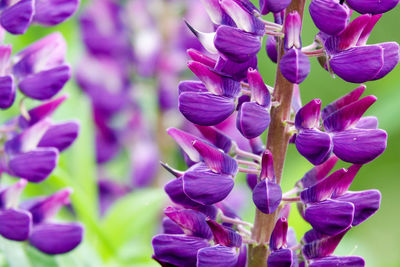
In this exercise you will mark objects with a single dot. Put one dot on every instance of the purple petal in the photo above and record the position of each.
(259, 90)
(317, 245)
(295, 66)
(206, 39)
(179, 250)
(281, 258)
(267, 196)
(15, 224)
(369, 122)
(53, 12)
(359, 146)
(358, 64)
(242, 257)
(43, 208)
(7, 91)
(214, 10)
(45, 84)
(333, 261)
(207, 187)
(40, 112)
(279, 234)
(60, 136)
(308, 116)
(349, 115)
(271, 48)
(35, 165)
(292, 30)
(174, 190)
(198, 56)
(211, 80)
(51, 238)
(275, 6)
(366, 203)
(368, 29)
(224, 236)
(237, 71)
(17, 18)
(251, 180)
(191, 86)
(252, 120)
(218, 256)
(330, 217)
(170, 227)
(314, 145)
(190, 220)
(9, 196)
(205, 108)
(235, 44)
(296, 100)
(318, 173)
(343, 101)
(329, 16)
(372, 6)
(390, 58)
(216, 137)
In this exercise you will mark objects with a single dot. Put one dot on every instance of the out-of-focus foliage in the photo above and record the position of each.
(123, 236)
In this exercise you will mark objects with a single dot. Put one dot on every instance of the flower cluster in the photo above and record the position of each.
(123, 63)
(31, 142)
(200, 229)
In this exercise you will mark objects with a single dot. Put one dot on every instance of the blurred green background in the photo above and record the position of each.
(123, 237)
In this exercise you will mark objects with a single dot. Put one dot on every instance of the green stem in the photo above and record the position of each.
(277, 143)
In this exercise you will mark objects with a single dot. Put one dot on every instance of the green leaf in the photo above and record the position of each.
(131, 223)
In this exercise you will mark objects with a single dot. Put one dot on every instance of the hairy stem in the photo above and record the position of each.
(277, 143)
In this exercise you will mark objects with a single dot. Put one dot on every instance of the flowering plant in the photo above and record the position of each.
(200, 229)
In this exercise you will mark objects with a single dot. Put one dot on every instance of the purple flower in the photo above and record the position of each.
(330, 16)
(344, 137)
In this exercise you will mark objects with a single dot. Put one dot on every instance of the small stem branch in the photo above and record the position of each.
(227, 219)
(248, 163)
(246, 154)
(291, 199)
(249, 171)
(290, 192)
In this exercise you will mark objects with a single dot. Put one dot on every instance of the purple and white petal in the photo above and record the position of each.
(60, 135)
(218, 256)
(267, 196)
(295, 66)
(314, 145)
(252, 119)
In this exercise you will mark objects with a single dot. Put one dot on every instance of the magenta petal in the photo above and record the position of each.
(390, 58)
(191, 86)
(15, 224)
(267, 166)
(267, 196)
(259, 90)
(366, 203)
(215, 159)
(276, 6)
(207, 187)
(295, 66)
(45, 84)
(192, 221)
(217, 256)
(347, 116)
(52, 238)
(235, 44)
(314, 145)
(7, 91)
(358, 64)
(343, 101)
(216, 137)
(200, 57)
(345, 181)
(317, 245)
(330, 217)
(185, 141)
(41, 112)
(60, 136)
(308, 116)
(362, 40)
(271, 48)
(35, 165)
(252, 120)
(318, 173)
(178, 250)
(17, 18)
(359, 146)
(224, 235)
(279, 235)
(53, 12)
(205, 108)
(171, 227)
